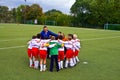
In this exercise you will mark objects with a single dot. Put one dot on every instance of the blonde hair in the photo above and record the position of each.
(74, 35)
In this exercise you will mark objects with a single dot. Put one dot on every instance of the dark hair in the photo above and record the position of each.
(70, 36)
(33, 37)
(60, 37)
(60, 32)
(45, 27)
(38, 36)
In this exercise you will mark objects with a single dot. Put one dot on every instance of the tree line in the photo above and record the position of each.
(96, 13)
(83, 13)
(27, 14)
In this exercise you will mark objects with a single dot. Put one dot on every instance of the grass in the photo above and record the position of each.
(102, 54)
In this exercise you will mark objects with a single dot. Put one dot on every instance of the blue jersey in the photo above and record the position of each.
(46, 35)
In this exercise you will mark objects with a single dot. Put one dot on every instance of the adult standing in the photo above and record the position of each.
(45, 34)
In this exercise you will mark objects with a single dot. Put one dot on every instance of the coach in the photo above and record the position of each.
(45, 34)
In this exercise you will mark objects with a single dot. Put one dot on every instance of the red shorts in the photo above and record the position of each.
(69, 53)
(76, 53)
(43, 54)
(35, 52)
(61, 55)
(29, 51)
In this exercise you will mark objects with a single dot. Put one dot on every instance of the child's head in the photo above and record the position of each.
(60, 37)
(33, 37)
(63, 35)
(70, 36)
(59, 33)
(52, 38)
(38, 36)
(74, 36)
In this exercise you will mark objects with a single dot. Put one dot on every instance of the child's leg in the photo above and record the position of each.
(52, 63)
(77, 59)
(36, 63)
(29, 51)
(61, 63)
(41, 64)
(74, 60)
(44, 65)
(71, 62)
(62, 58)
(66, 62)
(56, 60)
(31, 62)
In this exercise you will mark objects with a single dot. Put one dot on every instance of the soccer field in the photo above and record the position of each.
(100, 48)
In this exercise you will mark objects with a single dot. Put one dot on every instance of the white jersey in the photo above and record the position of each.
(68, 44)
(42, 42)
(29, 44)
(77, 44)
(73, 42)
(62, 48)
(35, 43)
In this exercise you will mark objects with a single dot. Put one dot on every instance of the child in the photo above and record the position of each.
(64, 38)
(77, 47)
(60, 53)
(43, 54)
(59, 33)
(69, 52)
(54, 46)
(30, 55)
(35, 45)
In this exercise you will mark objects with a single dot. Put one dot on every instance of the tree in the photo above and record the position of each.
(35, 11)
(4, 13)
(60, 18)
(95, 12)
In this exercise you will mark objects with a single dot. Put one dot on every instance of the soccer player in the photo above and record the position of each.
(30, 55)
(35, 45)
(69, 51)
(54, 46)
(77, 47)
(60, 53)
(43, 54)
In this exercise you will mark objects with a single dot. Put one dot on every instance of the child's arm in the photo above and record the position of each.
(29, 42)
(52, 45)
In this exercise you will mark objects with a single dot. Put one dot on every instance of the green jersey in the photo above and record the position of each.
(54, 46)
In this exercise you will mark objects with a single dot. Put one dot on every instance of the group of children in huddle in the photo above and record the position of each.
(63, 51)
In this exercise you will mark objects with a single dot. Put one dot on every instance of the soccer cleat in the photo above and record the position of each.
(40, 70)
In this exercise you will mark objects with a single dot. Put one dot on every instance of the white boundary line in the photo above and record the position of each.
(14, 39)
(12, 47)
(100, 38)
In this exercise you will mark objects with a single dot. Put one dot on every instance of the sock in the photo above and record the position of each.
(61, 63)
(36, 64)
(74, 60)
(31, 62)
(44, 67)
(66, 63)
(71, 62)
(33, 59)
(41, 67)
(77, 59)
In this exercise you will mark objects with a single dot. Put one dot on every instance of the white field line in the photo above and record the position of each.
(100, 38)
(12, 47)
(13, 39)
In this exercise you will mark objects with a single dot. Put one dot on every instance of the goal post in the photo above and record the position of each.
(112, 26)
